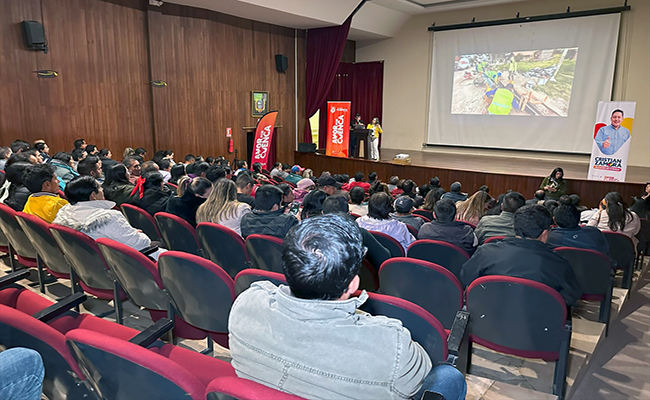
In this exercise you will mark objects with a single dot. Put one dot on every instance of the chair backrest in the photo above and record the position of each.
(516, 316)
(118, 369)
(422, 216)
(368, 278)
(232, 387)
(14, 233)
(4, 243)
(18, 329)
(223, 246)
(426, 284)
(84, 257)
(644, 237)
(413, 231)
(621, 249)
(38, 232)
(136, 273)
(140, 219)
(393, 246)
(591, 268)
(438, 252)
(265, 252)
(177, 233)
(201, 291)
(424, 327)
(245, 278)
(493, 239)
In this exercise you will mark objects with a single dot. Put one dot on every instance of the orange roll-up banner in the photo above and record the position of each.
(338, 128)
(263, 136)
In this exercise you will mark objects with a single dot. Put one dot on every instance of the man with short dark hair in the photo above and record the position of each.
(569, 233)
(244, 184)
(349, 354)
(447, 229)
(215, 172)
(44, 202)
(358, 182)
(44, 149)
(525, 256)
(189, 159)
(19, 145)
(80, 144)
(267, 218)
(91, 166)
(502, 224)
(107, 161)
(538, 199)
(328, 184)
(357, 195)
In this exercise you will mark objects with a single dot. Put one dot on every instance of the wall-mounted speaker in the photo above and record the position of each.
(34, 36)
(281, 63)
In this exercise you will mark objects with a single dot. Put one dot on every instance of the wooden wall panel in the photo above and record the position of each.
(102, 92)
(211, 63)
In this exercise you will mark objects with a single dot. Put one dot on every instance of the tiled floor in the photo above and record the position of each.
(493, 375)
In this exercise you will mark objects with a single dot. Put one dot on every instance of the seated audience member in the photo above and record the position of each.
(141, 152)
(242, 166)
(613, 215)
(5, 153)
(89, 213)
(245, 185)
(575, 200)
(177, 172)
(392, 183)
(474, 208)
(277, 168)
(117, 187)
(328, 184)
(502, 224)
(80, 144)
(525, 256)
(312, 205)
(151, 194)
(321, 261)
(303, 187)
(287, 194)
(21, 374)
(77, 156)
(286, 170)
(91, 166)
(403, 209)
(91, 150)
(308, 173)
(380, 187)
(408, 188)
(165, 167)
(17, 194)
(434, 184)
(222, 206)
(44, 149)
(454, 194)
(105, 156)
(44, 202)
(398, 189)
(294, 176)
(447, 229)
(538, 199)
(358, 182)
(372, 177)
(134, 167)
(356, 202)
(569, 233)
(19, 145)
(191, 194)
(550, 205)
(378, 219)
(257, 172)
(554, 185)
(199, 169)
(148, 166)
(215, 172)
(128, 152)
(429, 202)
(189, 159)
(268, 218)
(63, 168)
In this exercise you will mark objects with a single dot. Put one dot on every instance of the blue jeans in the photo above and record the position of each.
(446, 380)
(21, 374)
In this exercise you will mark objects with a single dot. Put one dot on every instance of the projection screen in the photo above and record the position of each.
(530, 86)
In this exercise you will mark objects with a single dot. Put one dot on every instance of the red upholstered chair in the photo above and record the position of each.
(523, 318)
(265, 252)
(231, 387)
(594, 271)
(426, 284)
(413, 231)
(438, 252)
(119, 369)
(421, 216)
(18, 241)
(202, 292)
(177, 233)
(4, 243)
(38, 232)
(223, 246)
(246, 277)
(140, 219)
(621, 250)
(493, 239)
(642, 248)
(393, 246)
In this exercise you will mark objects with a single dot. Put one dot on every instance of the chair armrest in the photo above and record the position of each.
(149, 250)
(13, 278)
(60, 307)
(457, 335)
(152, 333)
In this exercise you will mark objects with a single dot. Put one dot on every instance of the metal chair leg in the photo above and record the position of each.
(117, 302)
(41, 272)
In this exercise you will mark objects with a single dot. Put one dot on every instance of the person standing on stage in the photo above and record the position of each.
(375, 131)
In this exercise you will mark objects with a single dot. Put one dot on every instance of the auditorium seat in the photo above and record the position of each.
(368, 278)
(643, 246)
(594, 271)
(38, 232)
(523, 318)
(202, 292)
(18, 241)
(493, 239)
(265, 252)
(223, 246)
(423, 217)
(413, 230)
(445, 254)
(621, 250)
(426, 284)
(232, 387)
(246, 277)
(393, 246)
(177, 233)
(140, 219)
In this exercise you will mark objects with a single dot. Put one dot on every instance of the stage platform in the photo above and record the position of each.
(518, 171)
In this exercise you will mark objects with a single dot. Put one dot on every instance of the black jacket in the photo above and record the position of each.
(107, 163)
(185, 206)
(119, 192)
(272, 223)
(18, 195)
(153, 200)
(455, 232)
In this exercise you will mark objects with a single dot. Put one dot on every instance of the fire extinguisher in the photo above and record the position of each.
(230, 145)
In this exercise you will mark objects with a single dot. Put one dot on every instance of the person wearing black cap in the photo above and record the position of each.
(403, 208)
(328, 184)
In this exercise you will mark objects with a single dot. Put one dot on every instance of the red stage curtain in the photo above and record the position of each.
(324, 50)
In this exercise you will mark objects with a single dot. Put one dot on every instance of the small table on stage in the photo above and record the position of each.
(356, 136)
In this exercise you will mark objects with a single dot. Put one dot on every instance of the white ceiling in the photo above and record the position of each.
(377, 19)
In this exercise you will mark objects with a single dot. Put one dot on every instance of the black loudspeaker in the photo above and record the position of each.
(306, 147)
(34, 36)
(281, 63)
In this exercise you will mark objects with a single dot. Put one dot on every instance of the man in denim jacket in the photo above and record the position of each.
(310, 340)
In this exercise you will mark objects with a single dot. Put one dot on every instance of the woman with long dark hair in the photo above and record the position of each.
(613, 215)
(117, 186)
(191, 193)
(554, 185)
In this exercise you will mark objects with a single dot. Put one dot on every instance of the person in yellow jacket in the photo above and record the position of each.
(502, 100)
(375, 131)
(44, 202)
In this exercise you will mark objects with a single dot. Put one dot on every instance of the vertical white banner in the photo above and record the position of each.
(612, 136)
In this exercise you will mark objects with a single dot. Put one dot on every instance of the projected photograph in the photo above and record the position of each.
(533, 82)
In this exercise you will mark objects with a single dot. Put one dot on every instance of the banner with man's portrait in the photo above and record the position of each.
(612, 137)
